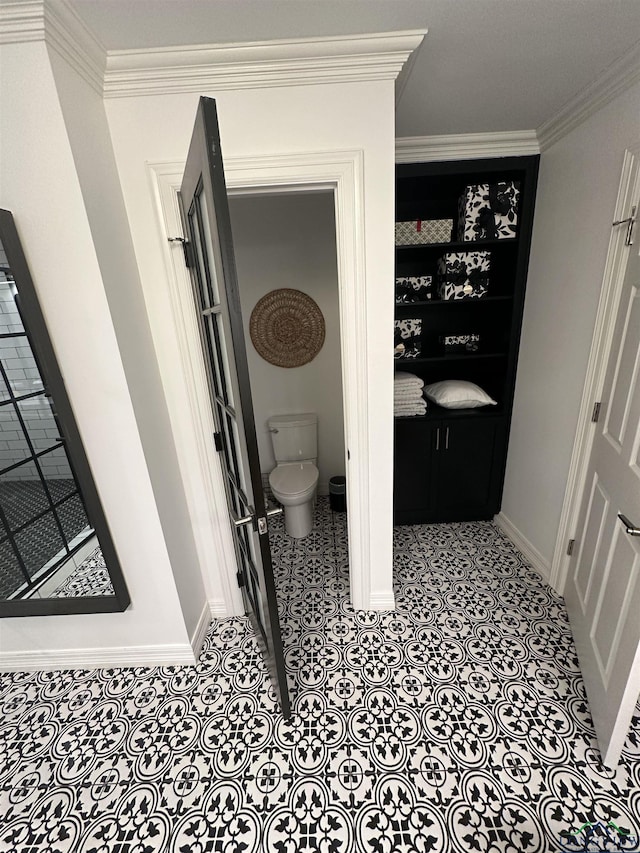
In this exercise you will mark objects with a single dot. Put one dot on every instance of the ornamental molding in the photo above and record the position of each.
(61, 29)
(197, 68)
(466, 146)
(256, 65)
(614, 80)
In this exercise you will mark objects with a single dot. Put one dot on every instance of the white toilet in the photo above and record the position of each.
(294, 480)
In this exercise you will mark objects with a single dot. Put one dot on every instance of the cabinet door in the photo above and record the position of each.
(414, 470)
(468, 469)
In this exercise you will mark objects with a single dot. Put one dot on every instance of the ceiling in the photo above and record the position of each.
(485, 65)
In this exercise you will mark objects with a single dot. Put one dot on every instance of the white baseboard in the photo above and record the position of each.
(382, 601)
(200, 631)
(535, 558)
(218, 609)
(109, 658)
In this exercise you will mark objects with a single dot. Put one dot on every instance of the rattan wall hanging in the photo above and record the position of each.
(287, 328)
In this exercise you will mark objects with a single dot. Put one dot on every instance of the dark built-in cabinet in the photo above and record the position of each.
(450, 463)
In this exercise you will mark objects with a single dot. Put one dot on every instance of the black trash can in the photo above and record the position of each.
(338, 493)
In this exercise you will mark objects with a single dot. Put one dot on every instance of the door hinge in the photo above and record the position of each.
(187, 250)
(217, 440)
(240, 579)
(596, 413)
(572, 542)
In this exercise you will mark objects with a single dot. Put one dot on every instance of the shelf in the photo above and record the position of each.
(438, 413)
(431, 303)
(450, 463)
(461, 245)
(462, 356)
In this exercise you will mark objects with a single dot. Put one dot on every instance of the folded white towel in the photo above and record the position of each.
(403, 379)
(408, 392)
(407, 386)
(410, 404)
(410, 408)
(408, 414)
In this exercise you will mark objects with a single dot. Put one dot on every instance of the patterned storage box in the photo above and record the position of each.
(460, 343)
(407, 341)
(423, 231)
(489, 211)
(464, 275)
(413, 289)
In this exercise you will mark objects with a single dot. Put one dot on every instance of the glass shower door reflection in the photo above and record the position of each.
(44, 526)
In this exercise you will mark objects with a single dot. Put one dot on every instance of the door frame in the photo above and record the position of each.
(342, 173)
(601, 345)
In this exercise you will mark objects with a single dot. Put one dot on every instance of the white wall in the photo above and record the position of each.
(292, 119)
(290, 241)
(84, 115)
(39, 184)
(579, 178)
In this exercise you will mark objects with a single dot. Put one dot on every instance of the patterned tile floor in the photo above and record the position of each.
(90, 578)
(457, 723)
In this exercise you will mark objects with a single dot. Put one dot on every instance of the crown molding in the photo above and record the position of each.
(60, 28)
(619, 76)
(21, 21)
(466, 146)
(284, 62)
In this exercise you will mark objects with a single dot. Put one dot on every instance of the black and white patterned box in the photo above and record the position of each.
(460, 343)
(407, 340)
(464, 275)
(489, 211)
(419, 231)
(413, 289)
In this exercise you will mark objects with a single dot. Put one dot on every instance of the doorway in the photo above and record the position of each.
(174, 327)
(288, 241)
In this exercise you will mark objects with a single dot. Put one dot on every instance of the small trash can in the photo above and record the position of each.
(338, 493)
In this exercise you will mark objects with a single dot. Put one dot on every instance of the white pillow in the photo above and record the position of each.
(457, 394)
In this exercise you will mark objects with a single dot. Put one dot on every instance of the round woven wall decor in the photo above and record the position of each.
(287, 328)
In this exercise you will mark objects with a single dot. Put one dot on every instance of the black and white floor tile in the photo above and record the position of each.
(90, 578)
(456, 723)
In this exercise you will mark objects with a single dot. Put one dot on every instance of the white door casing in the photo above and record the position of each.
(341, 172)
(603, 584)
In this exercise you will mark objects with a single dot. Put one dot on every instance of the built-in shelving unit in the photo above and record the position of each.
(449, 464)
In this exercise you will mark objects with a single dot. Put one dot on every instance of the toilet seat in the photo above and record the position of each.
(294, 479)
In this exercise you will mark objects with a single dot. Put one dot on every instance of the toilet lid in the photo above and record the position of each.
(293, 479)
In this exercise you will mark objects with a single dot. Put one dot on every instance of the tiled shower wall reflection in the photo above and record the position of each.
(24, 377)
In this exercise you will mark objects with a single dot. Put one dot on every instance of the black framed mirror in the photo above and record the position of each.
(56, 551)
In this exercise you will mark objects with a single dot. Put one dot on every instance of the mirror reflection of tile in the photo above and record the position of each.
(42, 517)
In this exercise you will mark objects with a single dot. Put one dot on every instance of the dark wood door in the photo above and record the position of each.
(414, 485)
(467, 469)
(210, 256)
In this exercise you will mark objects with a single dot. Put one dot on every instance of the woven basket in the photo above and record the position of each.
(287, 328)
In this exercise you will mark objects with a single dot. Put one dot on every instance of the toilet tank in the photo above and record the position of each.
(294, 437)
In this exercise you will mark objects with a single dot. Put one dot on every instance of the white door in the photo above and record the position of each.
(603, 587)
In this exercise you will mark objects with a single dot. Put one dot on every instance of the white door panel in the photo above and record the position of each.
(588, 556)
(626, 374)
(603, 590)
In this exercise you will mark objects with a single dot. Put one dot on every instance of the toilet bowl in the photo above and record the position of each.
(294, 480)
(294, 486)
